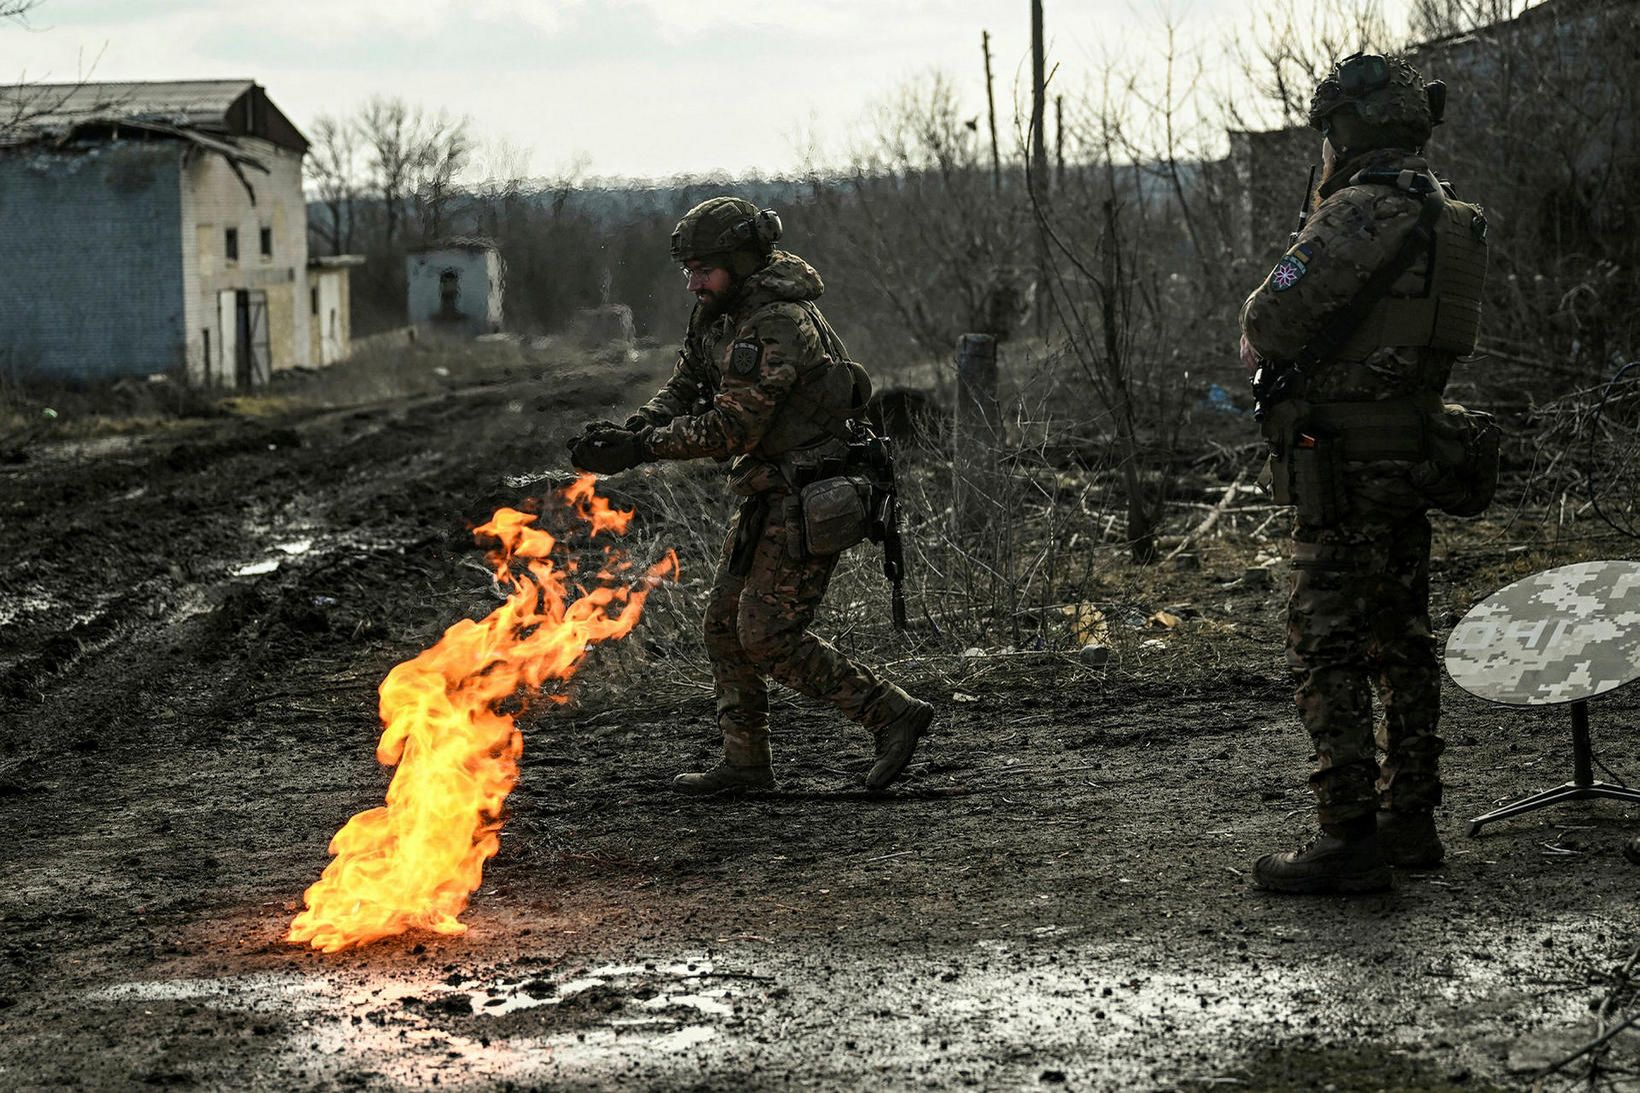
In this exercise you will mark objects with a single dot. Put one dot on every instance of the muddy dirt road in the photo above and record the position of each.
(192, 625)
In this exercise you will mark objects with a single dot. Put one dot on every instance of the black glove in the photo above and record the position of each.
(636, 422)
(609, 450)
(597, 427)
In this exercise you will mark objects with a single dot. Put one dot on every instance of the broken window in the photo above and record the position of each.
(230, 243)
(267, 242)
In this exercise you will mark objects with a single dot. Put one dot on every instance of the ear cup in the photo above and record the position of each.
(768, 227)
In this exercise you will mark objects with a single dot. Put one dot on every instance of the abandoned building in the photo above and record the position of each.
(159, 228)
(455, 287)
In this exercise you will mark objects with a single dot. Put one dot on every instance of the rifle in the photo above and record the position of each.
(893, 550)
(1303, 208)
(876, 453)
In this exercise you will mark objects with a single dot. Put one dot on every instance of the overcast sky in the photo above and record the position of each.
(634, 88)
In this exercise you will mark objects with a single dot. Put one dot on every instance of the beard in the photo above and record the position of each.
(711, 304)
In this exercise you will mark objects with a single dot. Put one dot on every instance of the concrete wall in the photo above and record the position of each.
(475, 307)
(91, 277)
(214, 200)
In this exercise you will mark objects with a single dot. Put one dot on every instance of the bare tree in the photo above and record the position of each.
(389, 128)
(442, 150)
(333, 168)
(1434, 19)
(18, 9)
(925, 224)
(1289, 50)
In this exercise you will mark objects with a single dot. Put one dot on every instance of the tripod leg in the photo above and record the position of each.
(1570, 791)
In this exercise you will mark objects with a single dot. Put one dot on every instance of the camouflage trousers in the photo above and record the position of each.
(1358, 619)
(757, 618)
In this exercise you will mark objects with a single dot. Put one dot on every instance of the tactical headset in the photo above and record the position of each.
(759, 232)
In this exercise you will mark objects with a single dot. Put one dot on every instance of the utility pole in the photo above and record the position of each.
(991, 105)
(1059, 142)
(1039, 154)
(1039, 162)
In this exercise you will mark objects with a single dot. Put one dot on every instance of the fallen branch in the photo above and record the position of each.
(1206, 525)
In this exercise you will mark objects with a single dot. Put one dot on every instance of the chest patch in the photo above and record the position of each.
(1288, 272)
(743, 357)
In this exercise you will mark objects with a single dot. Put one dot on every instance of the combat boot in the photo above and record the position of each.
(746, 765)
(1408, 840)
(724, 778)
(1343, 858)
(896, 740)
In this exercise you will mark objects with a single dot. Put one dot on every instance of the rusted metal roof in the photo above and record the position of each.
(221, 108)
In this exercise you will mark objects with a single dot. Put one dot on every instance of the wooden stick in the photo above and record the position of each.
(1212, 517)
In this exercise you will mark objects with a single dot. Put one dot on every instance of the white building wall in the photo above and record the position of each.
(214, 200)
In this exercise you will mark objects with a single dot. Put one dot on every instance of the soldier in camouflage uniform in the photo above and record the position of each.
(761, 379)
(1347, 415)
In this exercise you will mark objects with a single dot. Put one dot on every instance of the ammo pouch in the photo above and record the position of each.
(833, 514)
(1460, 474)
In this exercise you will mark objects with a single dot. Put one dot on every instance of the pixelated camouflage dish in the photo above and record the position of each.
(1558, 636)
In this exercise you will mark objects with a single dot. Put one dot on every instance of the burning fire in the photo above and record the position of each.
(448, 717)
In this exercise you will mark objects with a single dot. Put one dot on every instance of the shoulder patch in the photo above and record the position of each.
(743, 357)
(1291, 269)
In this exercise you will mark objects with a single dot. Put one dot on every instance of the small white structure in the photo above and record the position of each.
(455, 287)
(330, 327)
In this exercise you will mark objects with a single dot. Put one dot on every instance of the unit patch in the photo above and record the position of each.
(743, 357)
(1290, 269)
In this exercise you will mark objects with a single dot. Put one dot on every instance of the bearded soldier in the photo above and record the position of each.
(1353, 336)
(762, 379)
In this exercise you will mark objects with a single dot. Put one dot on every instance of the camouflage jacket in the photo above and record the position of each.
(756, 380)
(1352, 232)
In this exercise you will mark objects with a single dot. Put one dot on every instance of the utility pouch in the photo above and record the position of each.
(1316, 480)
(834, 514)
(1461, 475)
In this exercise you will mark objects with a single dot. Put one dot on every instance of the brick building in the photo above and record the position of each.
(157, 227)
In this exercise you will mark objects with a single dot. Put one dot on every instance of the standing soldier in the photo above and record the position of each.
(764, 379)
(1353, 335)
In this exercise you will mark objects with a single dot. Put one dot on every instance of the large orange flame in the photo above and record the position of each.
(413, 863)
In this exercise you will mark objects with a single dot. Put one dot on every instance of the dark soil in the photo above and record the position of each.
(1057, 895)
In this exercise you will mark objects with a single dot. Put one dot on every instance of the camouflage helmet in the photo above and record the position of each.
(726, 226)
(1388, 103)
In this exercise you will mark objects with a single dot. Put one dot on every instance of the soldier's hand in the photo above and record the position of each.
(634, 422)
(601, 425)
(609, 450)
(1250, 360)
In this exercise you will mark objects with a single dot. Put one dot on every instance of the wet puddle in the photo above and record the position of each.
(688, 980)
(512, 1026)
(1200, 1013)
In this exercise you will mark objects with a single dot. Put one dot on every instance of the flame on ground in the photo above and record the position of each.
(413, 863)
